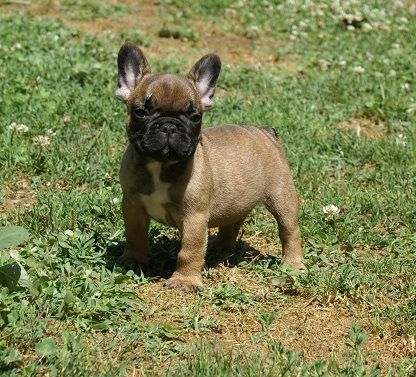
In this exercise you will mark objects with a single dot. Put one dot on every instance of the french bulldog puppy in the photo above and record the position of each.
(194, 179)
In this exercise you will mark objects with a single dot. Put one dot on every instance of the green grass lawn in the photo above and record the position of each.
(337, 80)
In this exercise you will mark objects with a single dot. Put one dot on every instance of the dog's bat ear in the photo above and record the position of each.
(204, 75)
(132, 66)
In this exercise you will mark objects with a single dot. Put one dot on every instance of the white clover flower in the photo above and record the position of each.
(42, 141)
(115, 200)
(330, 210)
(358, 70)
(350, 27)
(367, 26)
(67, 118)
(405, 86)
(342, 64)
(50, 133)
(22, 128)
(401, 140)
(18, 127)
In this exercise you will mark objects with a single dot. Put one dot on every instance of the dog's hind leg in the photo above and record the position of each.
(283, 207)
(226, 237)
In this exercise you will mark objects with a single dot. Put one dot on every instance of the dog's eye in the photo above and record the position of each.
(195, 118)
(140, 113)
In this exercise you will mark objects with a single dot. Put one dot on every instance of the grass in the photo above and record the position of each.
(350, 140)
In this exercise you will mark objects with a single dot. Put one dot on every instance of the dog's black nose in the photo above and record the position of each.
(168, 128)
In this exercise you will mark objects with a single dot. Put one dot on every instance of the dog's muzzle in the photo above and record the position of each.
(165, 139)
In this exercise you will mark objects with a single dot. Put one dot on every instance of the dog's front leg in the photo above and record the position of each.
(191, 258)
(136, 221)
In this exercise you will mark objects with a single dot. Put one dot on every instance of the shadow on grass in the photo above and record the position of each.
(164, 252)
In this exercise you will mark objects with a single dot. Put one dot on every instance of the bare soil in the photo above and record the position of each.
(149, 16)
(19, 195)
(368, 128)
(312, 330)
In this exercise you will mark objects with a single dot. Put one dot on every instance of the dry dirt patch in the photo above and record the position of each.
(150, 16)
(312, 330)
(369, 128)
(18, 195)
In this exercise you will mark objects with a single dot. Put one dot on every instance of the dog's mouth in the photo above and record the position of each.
(165, 139)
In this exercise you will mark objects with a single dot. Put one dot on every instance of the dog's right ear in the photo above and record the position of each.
(132, 66)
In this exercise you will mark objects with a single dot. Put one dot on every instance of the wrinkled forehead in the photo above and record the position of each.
(169, 92)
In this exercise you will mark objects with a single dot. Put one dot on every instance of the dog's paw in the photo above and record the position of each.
(297, 264)
(185, 283)
(130, 261)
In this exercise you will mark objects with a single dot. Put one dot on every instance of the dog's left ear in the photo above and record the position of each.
(204, 75)
(132, 66)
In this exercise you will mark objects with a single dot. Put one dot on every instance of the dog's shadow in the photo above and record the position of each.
(164, 252)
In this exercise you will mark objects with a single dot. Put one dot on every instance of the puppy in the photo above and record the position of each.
(193, 179)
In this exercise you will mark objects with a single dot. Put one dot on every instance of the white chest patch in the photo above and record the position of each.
(154, 203)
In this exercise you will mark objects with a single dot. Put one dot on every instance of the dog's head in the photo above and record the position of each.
(165, 109)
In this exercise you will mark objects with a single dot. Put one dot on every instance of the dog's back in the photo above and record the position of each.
(248, 161)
